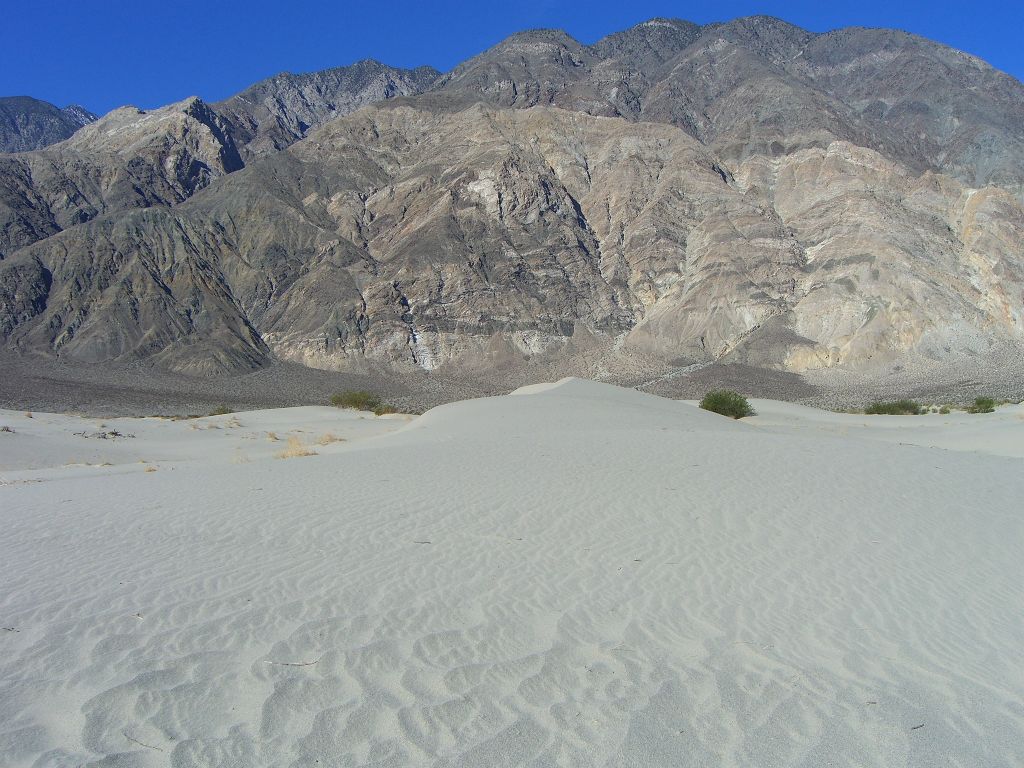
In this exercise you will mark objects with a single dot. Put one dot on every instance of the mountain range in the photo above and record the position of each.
(670, 196)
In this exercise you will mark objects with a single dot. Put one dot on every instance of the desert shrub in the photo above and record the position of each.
(727, 403)
(982, 405)
(895, 408)
(361, 401)
(357, 399)
(944, 410)
(221, 410)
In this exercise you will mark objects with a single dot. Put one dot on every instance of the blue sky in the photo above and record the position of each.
(106, 53)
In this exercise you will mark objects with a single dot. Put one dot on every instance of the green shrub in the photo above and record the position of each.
(357, 399)
(221, 410)
(982, 405)
(380, 410)
(727, 403)
(944, 409)
(895, 408)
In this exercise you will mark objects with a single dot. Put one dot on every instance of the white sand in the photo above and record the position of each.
(1000, 433)
(578, 575)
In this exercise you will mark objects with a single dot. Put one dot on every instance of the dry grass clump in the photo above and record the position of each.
(329, 437)
(295, 449)
(272, 437)
(7, 429)
(150, 468)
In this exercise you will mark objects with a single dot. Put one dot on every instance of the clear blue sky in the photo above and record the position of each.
(107, 53)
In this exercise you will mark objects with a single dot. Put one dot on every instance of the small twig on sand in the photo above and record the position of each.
(140, 743)
(423, 542)
(292, 663)
(917, 726)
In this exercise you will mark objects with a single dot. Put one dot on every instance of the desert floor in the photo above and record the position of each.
(575, 574)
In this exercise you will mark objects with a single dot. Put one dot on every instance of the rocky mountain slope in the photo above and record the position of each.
(133, 158)
(128, 159)
(27, 123)
(672, 195)
(277, 112)
(761, 86)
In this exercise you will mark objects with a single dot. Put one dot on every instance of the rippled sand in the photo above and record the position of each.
(574, 575)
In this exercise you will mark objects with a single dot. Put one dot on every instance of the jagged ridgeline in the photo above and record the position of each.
(673, 194)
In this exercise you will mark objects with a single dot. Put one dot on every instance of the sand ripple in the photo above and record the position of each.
(579, 576)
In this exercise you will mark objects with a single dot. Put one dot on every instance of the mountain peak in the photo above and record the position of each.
(542, 35)
(662, 22)
(649, 42)
(760, 29)
(27, 123)
(80, 114)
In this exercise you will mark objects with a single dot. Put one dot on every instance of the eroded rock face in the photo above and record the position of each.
(466, 240)
(671, 195)
(128, 159)
(892, 264)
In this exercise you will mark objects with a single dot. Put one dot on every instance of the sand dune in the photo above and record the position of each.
(577, 575)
